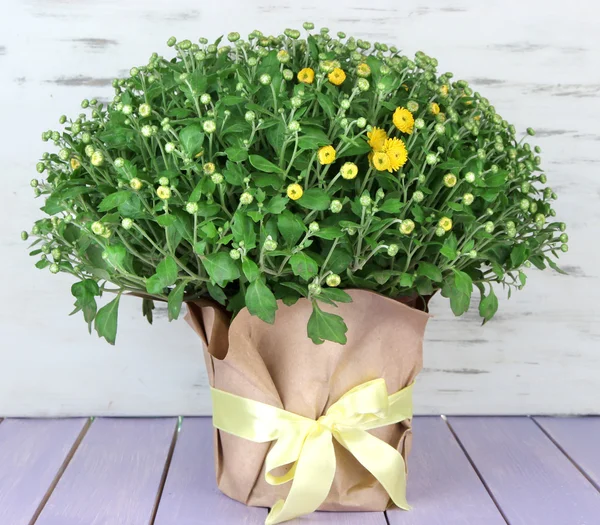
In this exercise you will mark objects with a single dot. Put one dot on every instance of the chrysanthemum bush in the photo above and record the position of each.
(283, 167)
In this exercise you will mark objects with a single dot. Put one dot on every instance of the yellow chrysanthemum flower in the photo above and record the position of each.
(444, 90)
(403, 120)
(163, 193)
(450, 180)
(434, 109)
(306, 75)
(349, 170)
(407, 226)
(337, 76)
(396, 151)
(326, 155)
(381, 161)
(445, 224)
(363, 70)
(377, 138)
(294, 191)
(75, 163)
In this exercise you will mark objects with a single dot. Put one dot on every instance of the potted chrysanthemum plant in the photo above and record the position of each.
(296, 192)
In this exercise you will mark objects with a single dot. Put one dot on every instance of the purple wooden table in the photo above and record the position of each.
(463, 471)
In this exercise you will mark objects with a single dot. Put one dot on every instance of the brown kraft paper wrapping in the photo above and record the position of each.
(279, 365)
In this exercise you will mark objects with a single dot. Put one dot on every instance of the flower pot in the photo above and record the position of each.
(280, 366)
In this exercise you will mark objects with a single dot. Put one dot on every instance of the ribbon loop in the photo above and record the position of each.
(307, 445)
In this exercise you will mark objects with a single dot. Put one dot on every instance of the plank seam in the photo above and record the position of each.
(564, 452)
(474, 467)
(61, 470)
(163, 479)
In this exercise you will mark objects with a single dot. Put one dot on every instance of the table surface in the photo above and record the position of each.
(463, 470)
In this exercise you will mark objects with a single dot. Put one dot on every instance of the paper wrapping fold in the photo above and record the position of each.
(279, 365)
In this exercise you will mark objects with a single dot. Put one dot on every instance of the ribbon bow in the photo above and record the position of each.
(307, 444)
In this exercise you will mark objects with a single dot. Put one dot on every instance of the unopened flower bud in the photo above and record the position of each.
(98, 228)
(314, 289)
(470, 177)
(217, 178)
(365, 200)
(313, 227)
(361, 122)
(209, 126)
(407, 226)
(418, 196)
(431, 159)
(145, 110)
(54, 268)
(335, 206)
(127, 224)
(246, 198)
(392, 249)
(489, 227)
(97, 158)
(265, 79)
(564, 248)
(270, 245)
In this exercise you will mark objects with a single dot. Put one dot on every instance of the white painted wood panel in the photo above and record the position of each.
(536, 60)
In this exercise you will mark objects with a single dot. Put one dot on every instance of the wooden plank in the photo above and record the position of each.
(443, 488)
(190, 489)
(578, 437)
(115, 476)
(190, 495)
(32, 456)
(532, 481)
(341, 518)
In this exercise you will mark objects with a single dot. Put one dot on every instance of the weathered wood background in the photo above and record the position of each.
(536, 60)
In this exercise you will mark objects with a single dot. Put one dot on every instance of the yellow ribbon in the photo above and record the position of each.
(307, 444)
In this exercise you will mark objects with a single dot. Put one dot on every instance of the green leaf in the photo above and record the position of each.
(313, 48)
(323, 326)
(522, 278)
(315, 199)
(312, 138)
(463, 282)
(291, 227)
(250, 269)
(232, 100)
(430, 270)
(303, 266)
(459, 303)
(236, 154)
(85, 292)
(424, 285)
(449, 247)
(106, 320)
(391, 206)
(262, 180)
(191, 138)
(326, 103)
(147, 307)
(407, 280)
(518, 255)
(260, 301)
(116, 256)
(114, 200)
(262, 164)
(217, 293)
(276, 204)
(329, 233)
(335, 294)
(488, 306)
(166, 275)
(166, 219)
(175, 300)
(221, 268)
(243, 230)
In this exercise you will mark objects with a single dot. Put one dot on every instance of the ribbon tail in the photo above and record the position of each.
(380, 459)
(314, 473)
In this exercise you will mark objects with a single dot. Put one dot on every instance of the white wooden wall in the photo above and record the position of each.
(538, 61)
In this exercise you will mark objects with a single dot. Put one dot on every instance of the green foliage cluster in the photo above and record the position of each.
(206, 177)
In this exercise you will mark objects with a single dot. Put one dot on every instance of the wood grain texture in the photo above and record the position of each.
(443, 487)
(32, 454)
(579, 438)
(190, 495)
(533, 482)
(536, 65)
(115, 475)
